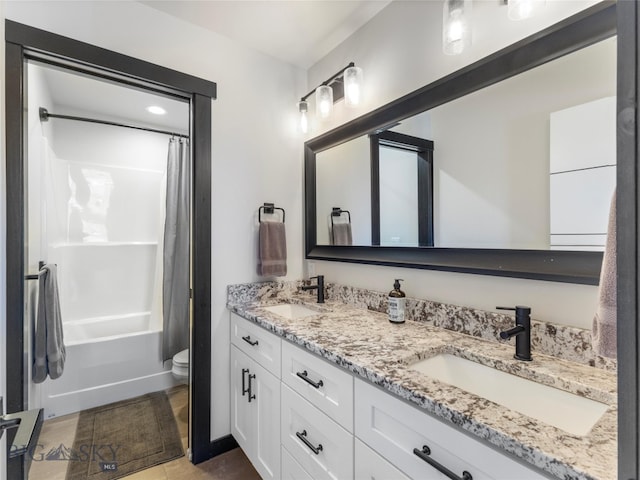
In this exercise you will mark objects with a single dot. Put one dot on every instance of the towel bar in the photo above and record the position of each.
(35, 276)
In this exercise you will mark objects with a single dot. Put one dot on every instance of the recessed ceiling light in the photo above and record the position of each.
(156, 110)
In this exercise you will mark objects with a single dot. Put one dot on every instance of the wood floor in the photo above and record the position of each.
(232, 465)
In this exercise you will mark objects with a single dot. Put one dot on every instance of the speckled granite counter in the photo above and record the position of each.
(365, 343)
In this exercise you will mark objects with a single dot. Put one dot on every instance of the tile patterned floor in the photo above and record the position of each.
(232, 465)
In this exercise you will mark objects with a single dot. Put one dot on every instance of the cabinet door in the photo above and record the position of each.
(242, 421)
(266, 410)
(371, 466)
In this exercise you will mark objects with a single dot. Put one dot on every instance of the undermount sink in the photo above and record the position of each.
(566, 411)
(292, 311)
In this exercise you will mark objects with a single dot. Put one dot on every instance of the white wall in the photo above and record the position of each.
(491, 160)
(257, 154)
(39, 95)
(343, 179)
(400, 51)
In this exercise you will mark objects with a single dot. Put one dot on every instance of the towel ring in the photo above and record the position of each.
(269, 208)
(337, 212)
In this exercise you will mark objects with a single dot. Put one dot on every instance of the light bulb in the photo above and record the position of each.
(456, 30)
(303, 108)
(352, 86)
(324, 101)
(156, 110)
(521, 9)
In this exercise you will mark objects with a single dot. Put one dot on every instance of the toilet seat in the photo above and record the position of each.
(180, 365)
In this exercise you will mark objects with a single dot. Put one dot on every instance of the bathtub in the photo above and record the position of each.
(109, 359)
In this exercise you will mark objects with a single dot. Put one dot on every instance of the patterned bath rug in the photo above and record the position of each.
(116, 440)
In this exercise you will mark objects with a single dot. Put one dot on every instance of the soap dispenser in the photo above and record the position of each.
(396, 303)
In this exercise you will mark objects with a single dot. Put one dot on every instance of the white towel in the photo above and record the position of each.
(604, 327)
(49, 351)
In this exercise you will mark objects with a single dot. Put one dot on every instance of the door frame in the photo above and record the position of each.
(22, 42)
(628, 237)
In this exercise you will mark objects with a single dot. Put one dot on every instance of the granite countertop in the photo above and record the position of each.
(368, 345)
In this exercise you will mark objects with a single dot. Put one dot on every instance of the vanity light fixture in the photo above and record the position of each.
(521, 9)
(352, 86)
(456, 26)
(156, 110)
(324, 101)
(346, 83)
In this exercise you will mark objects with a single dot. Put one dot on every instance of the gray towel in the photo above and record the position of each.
(342, 234)
(49, 351)
(603, 331)
(272, 249)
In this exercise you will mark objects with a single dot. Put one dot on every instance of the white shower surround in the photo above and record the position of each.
(102, 191)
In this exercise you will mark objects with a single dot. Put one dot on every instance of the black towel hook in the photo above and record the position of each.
(269, 208)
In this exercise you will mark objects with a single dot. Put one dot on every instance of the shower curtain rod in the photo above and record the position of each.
(45, 116)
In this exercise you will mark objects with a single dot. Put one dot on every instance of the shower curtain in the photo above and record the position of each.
(175, 285)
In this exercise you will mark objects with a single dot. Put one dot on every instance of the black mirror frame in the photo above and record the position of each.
(578, 31)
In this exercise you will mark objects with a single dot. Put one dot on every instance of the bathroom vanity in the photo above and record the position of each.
(336, 391)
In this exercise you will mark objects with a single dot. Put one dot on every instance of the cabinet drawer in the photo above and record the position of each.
(394, 429)
(257, 343)
(371, 466)
(324, 385)
(292, 470)
(322, 447)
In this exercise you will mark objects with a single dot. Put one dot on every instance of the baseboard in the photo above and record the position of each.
(218, 447)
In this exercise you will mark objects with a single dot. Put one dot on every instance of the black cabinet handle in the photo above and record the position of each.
(244, 389)
(424, 455)
(251, 396)
(303, 436)
(248, 340)
(303, 376)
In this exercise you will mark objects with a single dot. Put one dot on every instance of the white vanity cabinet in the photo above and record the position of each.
(399, 431)
(300, 417)
(255, 397)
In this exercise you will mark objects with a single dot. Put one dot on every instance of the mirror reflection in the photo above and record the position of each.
(526, 163)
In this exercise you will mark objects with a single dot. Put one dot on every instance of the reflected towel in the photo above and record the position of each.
(49, 351)
(272, 249)
(603, 331)
(342, 234)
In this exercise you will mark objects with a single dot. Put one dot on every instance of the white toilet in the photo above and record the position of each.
(180, 366)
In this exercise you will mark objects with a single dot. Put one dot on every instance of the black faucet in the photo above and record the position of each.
(522, 332)
(319, 286)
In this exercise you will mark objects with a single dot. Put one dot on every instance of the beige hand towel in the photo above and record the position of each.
(272, 249)
(342, 234)
(603, 331)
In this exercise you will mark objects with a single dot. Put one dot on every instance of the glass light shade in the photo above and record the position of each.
(324, 101)
(521, 9)
(456, 26)
(303, 108)
(353, 86)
